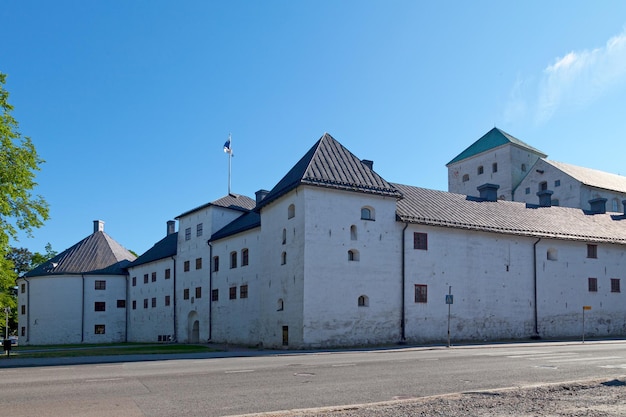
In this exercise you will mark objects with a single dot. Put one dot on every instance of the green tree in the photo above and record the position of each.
(19, 208)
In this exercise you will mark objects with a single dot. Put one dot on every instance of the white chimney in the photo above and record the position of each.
(98, 226)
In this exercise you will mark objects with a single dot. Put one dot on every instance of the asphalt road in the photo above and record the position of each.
(215, 386)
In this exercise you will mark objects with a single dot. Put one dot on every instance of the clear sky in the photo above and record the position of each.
(130, 102)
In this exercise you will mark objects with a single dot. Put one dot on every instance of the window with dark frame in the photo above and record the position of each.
(593, 284)
(167, 300)
(23, 309)
(615, 285)
(100, 285)
(186, 266)
(199, 229)
(465, 178)
(153, 302)
(216, 263)
(121, 303)
(23, 331)
(420, 241)
(494, 167)
(145, 278)
(134, 281)
(243, 291)
(480, 170)
(215, 295)
(367, 213)
(168, 273)
(100, 306)
(134, 304)
(592, 251)
(232, 293)
(99, 329)
(421, 293)
(23, 288)
(186, 294)
(145, 303)
(154, 277)
(198, 292)
(283, 258)
(233, 260)
(244, 257)
(188, 233)
(198, 263)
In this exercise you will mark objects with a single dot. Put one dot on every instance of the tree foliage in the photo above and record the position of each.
(19, 208)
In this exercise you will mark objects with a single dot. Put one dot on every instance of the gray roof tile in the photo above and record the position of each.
(231, 201)
(592, 177)
(164, 248)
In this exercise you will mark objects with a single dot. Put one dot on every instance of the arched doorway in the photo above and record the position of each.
(193, 326)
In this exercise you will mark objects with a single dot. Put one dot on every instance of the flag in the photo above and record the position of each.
(227, 146)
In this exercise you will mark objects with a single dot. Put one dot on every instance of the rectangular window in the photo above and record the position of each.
(615, 285)
(199, 229)
(420, 241)
(100, 306)
(121, 303)
(153, 302)
(154, 277)
(215, 295)
(198, 263)
(145, 303)
(186, 294)
(101, 285)
(134, 281)
(98, 329)
(527, 190)
(23, 309)
(592, 251)
(168, 273)
(233, 260)
(216, 263)
(593, 284)
(494, 167)
(557, 183)
(167, 300)
(145, 278)
(134, 304)
(232, 293)
(244, 257)
(186, 266)
(198, 292)
(421, 293)
(188, 233)
(23, 288)
(23, 331)
(243, 291)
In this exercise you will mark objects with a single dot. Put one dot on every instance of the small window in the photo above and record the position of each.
(186, 294)
(592, 284)
(244, 257)
(23, 331)
(186, 266)
(134, 280)
(420, 241)
(353, 255)
(233, 259)
(523, 167)
(494, 167)
(198, 263)
(145, 303)
(557, 183)
(188, 233)
(168, 273)
(199, 229)
(121, 303)
(153, 302)
(592, 251)
(216, 263)
(23, 288)
(552, 254)
(480, 170)
(134, 304)
(367, 213)
(615, 287)
(145, 278)
(543, 186)
(363, 301)
(283, 258)
(527, 190)
(243, 291)
(198, 292)
(23, 309)
(465, 177)
(99, 329)
(100, 306)
(232, 293)
(353, 232)
(154, 277)
(101, 285)
(280, 305)
(284, 236)
(168, 300)
(291, 211)
(421, 293)
(215, 295)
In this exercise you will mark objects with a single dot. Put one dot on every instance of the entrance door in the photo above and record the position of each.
(194, 337)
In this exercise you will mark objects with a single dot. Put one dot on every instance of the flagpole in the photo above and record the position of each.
(229, 150)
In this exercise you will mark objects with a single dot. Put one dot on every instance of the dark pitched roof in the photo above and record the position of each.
(98, 253)
(492, 139)
(164, 248)
(329, 164)
(440, 208)
(244, 222)
(230, 201)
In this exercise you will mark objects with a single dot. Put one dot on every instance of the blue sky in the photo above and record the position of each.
(130, 102)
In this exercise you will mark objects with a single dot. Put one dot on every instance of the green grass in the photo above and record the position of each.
(59, 351)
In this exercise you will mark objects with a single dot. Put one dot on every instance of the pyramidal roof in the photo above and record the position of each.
(492, 139)
(328, 164)
(98, 253)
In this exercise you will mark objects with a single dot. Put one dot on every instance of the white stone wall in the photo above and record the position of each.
(568, 193)
(113, 318)
(146, 324)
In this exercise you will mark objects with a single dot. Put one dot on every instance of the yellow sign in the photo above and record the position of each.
(586, 307)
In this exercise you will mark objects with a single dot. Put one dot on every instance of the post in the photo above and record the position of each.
(584, 308)
(7, 311)
(449, 305)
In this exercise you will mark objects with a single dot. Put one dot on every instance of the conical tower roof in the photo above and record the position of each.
(98, 253)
